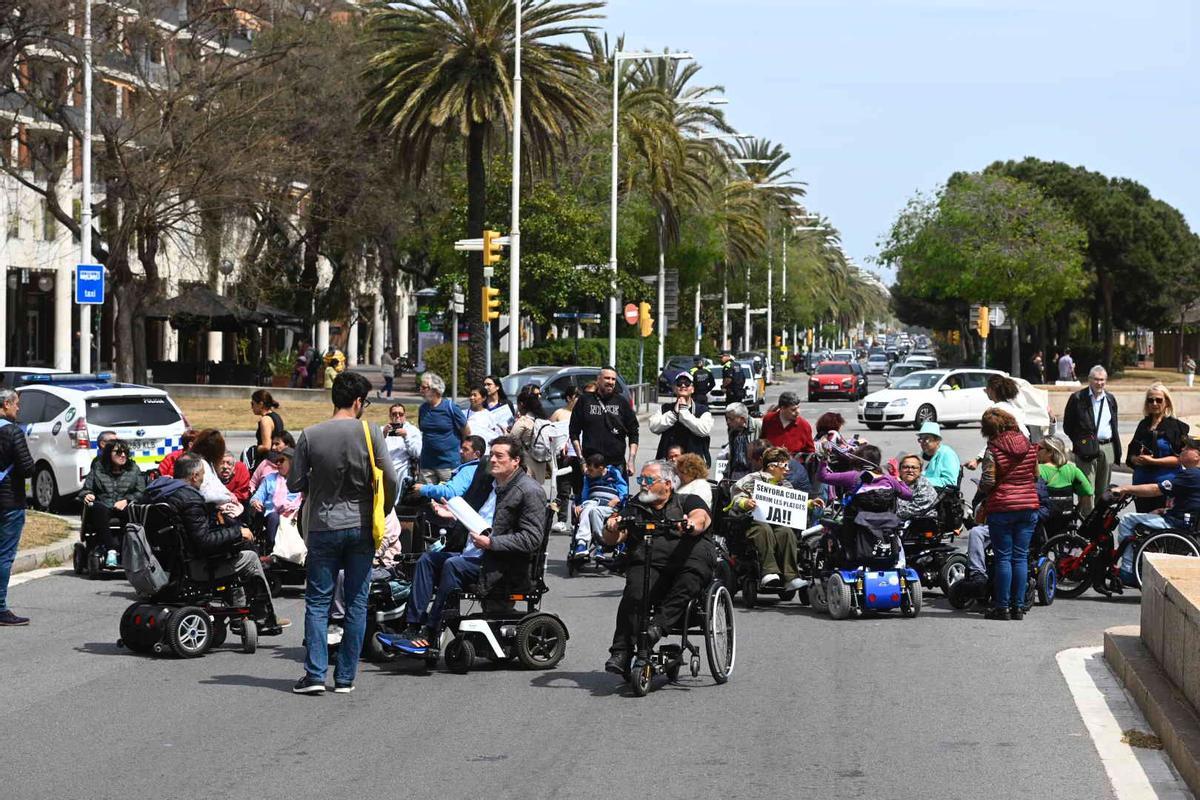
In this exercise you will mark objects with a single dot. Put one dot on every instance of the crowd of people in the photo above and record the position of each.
(510, 459)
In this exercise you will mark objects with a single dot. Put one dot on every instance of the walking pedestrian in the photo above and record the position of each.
(534, 430)
(1037, 370)
(15, 466)
(1090, 421)
(1189, 370)
(387, 368)
(334, 467)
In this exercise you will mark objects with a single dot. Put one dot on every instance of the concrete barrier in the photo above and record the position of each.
(1129, 401)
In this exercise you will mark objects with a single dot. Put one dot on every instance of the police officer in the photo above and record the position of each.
(732, 379)
(680, 562)
(702, 379)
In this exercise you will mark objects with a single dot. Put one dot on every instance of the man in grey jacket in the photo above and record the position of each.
(333, 469)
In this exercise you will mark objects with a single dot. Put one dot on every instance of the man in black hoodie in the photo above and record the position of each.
(182, 494)
(604, 422)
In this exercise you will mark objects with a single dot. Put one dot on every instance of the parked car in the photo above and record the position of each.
(754, 393)
(877, 364)
(838, 379)
(898, 371)
(843, 355)
(554, 382)
(677, 364)
(64, 413)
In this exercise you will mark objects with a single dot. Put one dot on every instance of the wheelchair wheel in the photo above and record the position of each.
(189, 631)
(818, 596)
(129, 633)
(838, 596)
(953, 570)
(249, 636)
(1047, 583)
(1075, 581)
(912, 603)
(460, 656)
(541, 642)
(95, 565)
(641, 677)
(720, 634)
(1173, 542)
(79, 558)
(749, 591)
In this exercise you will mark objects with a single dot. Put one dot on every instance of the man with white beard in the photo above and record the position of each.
(680, 561)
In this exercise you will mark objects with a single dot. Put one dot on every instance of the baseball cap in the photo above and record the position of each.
(683, 378)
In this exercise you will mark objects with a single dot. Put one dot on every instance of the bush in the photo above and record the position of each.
(594, 353)
(439, 359)
(1089, 354)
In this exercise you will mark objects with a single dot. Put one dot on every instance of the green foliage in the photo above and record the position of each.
(439, 359)
(282, 363)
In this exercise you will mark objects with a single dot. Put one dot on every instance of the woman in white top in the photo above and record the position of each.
(481, 421)
(497, 403)
(693, 477)
(210, 446)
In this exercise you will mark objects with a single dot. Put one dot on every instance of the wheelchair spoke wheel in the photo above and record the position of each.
(1065, 552)
(541, 642)
(189, 631)
(953, 570)
(720, 636)
(1170, 542)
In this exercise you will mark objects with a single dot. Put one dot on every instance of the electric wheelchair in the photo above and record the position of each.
(87, 558)
(708, 616)
(199, 600)
(738, 563)
(499, 631)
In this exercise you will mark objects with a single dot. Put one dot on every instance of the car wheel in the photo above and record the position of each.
(45, 489)
(925, 413)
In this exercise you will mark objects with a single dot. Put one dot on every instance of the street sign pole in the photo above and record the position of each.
(641, 355)
(487, 329)
(456, 307)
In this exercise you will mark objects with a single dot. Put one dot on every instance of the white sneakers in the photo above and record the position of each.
(795, 584)
(769, 579)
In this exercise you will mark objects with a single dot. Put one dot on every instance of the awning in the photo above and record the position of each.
(201, 307)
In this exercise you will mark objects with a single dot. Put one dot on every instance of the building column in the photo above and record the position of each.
(170, 336)
(352, 344)
(402, 300)
(377, 331)
(63, 329)
(322, 337)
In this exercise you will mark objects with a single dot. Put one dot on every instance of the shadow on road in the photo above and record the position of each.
(252, 681)
(103, 649)
(598, 683)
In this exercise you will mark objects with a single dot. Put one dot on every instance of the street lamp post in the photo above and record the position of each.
(514, 236)
(618, 57)
(85, 205)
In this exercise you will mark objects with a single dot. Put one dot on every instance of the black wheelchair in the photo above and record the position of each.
(738, 564)
(709, 616)
(201, 600)
(87, 558)
(500, 631)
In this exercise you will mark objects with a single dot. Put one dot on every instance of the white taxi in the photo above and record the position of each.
(64, 414)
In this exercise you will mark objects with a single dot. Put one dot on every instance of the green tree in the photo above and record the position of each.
(443, 70)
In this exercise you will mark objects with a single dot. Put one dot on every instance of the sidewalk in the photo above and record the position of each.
(50, 555)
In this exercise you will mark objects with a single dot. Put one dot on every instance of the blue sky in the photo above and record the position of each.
(876, 99)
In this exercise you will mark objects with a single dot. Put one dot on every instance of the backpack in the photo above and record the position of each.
(142, 569)
(541, 443)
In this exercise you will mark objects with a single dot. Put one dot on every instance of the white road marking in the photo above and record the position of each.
(34, 574)
(1107, 712)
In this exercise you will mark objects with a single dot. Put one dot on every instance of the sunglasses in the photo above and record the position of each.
(646, 480)
(926, 438)
(1155, 400)
(120, 452)
(396, 414)
(910, 466)
(777, 464)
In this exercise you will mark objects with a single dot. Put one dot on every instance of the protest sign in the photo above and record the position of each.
(780, 505)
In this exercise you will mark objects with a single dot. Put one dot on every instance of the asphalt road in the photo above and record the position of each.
(947, 705)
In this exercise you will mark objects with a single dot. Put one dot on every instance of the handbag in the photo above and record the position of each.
(289, 544)
(1087, 447)
(378, 513)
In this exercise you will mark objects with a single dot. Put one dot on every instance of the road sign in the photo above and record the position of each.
(631, 313)
(89, 284)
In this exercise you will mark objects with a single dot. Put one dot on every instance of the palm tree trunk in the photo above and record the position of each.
(476, 211)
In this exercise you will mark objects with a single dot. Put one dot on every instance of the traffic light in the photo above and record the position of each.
(982, 324)
(645, 320)
(493, 252)
(955, 338)
(779, 341)
(491, 303)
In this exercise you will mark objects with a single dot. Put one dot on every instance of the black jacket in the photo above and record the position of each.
(605, 426)
(189, 507)
(1170, 428)
(518, 531)
(1079, 422)
(734, 382)
(110, 489)
(14, 457)
(681, 435)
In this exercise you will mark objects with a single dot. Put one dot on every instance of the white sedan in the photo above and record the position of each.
(948, 396)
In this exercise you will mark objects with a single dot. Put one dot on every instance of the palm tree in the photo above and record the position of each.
(443, 70)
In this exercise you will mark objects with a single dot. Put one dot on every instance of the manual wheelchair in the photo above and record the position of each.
(1041, 585)
(709, 615)
(199, 603)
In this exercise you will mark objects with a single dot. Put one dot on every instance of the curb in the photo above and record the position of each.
(49, 555)
(1165, 707)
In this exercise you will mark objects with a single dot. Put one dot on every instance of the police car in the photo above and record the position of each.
(63, 414)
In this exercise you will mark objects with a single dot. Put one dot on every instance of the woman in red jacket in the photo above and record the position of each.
(1009, 484)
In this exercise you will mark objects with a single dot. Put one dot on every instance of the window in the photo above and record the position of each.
(113, 412)
(54, 407)
(33, 403)
(975, 380)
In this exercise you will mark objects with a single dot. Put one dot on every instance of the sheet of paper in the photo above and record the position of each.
(468, 516)
(780, 505)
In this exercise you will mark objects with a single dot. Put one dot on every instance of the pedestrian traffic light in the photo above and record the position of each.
(955, 338)
(493, 251)
(982, 324)
(491, 304)
(645, 320)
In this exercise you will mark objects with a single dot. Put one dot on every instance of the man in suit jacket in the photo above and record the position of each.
(1090, 419)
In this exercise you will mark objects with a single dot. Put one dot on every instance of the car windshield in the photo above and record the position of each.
(920, 380)
(513, 383)
(903, 369)
(115, 412)
(833, 369)
(680, 362)
(878, 357)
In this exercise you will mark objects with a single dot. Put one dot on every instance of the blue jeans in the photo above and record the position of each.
(1011, 532)
(387, 386)
(12, 521)
(441, 572)
(351, 550)
(1125, 530)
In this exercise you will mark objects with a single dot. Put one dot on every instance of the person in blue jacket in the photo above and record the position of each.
(470, 452)
(604, 490)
